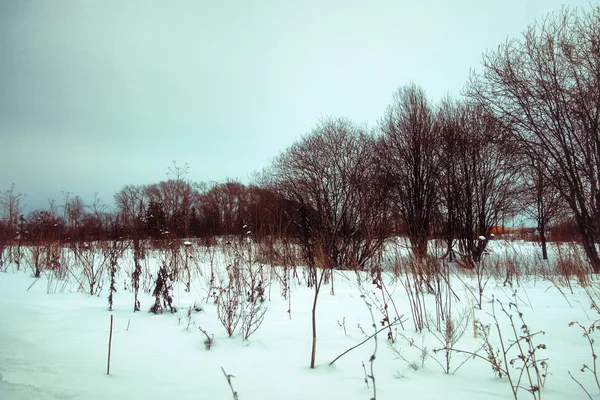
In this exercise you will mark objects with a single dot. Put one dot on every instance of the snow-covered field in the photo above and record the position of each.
(55, 346)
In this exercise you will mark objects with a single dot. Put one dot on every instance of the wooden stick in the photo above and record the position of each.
(109, 344)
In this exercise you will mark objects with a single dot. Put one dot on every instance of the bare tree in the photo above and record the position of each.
(327, 174)
(225, 207)
(131, 202)
(409, 153)
(74, 213)
(448, 124)
(541, 201)
(477, 178)
(175, 196)
(233, 204)
(486, 182)
(545, 86)
(10, 202)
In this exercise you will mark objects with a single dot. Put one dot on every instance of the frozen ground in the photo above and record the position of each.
(54, 346)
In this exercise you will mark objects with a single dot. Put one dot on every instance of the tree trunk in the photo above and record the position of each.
(591, 251)
(313, 353)
(332, 287)
(314, 315)
(588, 239)
(543, 241)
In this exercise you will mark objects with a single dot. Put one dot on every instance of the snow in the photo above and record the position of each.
(54, 346)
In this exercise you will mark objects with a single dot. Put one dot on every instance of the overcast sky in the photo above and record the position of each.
(97, 94)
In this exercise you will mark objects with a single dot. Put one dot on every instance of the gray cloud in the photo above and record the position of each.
(97, 94)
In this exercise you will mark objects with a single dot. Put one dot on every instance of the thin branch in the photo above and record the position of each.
(363, 342)
(581, 386)
(228, 377)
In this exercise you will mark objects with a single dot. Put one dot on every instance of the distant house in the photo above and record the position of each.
(520, 232)
(497, 230)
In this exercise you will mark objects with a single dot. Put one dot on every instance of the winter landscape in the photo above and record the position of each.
(55, 334)
(451, 249)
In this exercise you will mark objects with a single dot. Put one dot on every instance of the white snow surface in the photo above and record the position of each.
(54, 346)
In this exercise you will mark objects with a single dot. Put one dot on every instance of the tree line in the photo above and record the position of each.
(168, 209)
(522, 140)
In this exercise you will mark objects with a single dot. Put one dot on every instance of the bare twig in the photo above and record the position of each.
(366, 377)
(581, 386)
(209, 338)
(228, 377)
(363, 342)
(372, 358)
